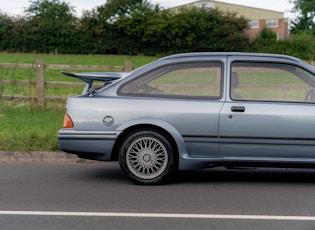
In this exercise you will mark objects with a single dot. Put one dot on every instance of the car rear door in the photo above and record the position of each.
(268, 116)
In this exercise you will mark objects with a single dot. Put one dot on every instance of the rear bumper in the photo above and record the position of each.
(88, 145)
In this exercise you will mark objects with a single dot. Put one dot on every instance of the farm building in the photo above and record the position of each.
(258, 18)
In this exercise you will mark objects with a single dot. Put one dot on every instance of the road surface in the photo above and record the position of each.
(97, 196)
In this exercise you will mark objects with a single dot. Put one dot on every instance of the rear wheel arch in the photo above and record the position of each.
(135, 128)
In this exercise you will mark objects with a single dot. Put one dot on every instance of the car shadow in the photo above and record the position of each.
(112, 173)
(270, 175)
(102, 172)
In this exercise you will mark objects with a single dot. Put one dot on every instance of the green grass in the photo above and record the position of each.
(101, 60)
(25, 127)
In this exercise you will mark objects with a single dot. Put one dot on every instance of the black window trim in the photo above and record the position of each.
(312, 83)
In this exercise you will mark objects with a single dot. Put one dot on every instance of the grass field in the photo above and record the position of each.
(102, 60)
(25, 127)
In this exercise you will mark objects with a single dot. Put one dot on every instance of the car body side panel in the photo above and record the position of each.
(194, 153)
(268, 130)
(193, 124)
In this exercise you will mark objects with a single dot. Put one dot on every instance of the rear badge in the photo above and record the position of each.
(108, 121)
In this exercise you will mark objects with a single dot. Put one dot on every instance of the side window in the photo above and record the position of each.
(187, 80)
(271, 82)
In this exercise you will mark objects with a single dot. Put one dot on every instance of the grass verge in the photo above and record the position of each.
(25, 127)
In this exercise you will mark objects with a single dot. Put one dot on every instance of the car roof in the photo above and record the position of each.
(209, 54)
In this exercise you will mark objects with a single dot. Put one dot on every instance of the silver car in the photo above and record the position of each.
(194, 111)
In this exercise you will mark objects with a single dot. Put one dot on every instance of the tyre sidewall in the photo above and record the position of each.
(170, 167)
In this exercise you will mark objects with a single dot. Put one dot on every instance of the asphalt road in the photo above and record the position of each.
(97, 196)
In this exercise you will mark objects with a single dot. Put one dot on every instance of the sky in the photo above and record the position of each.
(16, 7)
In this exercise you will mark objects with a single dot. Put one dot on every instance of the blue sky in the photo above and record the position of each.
(16, 7)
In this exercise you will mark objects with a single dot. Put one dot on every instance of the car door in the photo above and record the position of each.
(269, 114)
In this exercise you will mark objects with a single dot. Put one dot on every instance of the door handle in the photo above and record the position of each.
(238, 109)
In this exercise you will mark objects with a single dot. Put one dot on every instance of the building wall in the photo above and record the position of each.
(263, 18)
(248, 12)
(279, 26)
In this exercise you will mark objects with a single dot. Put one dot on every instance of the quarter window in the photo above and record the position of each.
(188, 80)
(271, 82)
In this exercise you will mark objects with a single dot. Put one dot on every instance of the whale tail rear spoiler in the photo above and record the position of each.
(90, 77)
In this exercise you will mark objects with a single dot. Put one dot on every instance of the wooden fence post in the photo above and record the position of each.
(40, 84)
(128, 66)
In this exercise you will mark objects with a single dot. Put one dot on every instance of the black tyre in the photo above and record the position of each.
(147, 157)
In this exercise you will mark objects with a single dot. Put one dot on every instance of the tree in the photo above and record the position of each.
(150, 30)
(265, 42)
(90, 31)
(6, 31)
(142, 29)
(303, 45)
(113, 37)
(306, 20)
(122, 27)
(54, 25)
(307, 7)
(113, 9)
(301, 23)
(194, 29)
(233, 33)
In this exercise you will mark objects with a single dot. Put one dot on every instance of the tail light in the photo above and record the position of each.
(67, 122)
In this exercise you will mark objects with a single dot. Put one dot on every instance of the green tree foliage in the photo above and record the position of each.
(211, 30)
(305, 21)
(6, 32)
(89, 33)
(265, 42)
(303, 45)
(121, 27)
(113, 9)
(300, 45)
(113, 37)
(139, 27)
(307, 7)
(53, 24)
(153, 30)
(302, 23)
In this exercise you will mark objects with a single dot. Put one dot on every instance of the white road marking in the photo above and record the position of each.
(159, 215)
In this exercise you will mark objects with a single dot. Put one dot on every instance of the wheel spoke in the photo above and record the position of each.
(147, 157)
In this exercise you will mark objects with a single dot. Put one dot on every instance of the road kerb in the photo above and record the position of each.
(39, 157)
